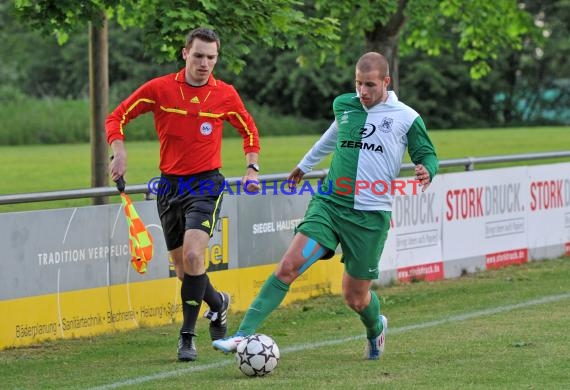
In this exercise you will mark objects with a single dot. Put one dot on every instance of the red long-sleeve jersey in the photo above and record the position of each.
(188, 121)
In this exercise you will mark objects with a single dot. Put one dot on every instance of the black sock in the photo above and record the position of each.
(192, 293)
(212, 297)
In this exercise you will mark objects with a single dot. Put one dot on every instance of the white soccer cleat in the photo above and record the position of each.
(375, 347)
(229, 344)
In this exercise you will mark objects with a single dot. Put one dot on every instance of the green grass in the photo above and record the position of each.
(27, 121)
(43, 121)
(525, 347)
(40, 168)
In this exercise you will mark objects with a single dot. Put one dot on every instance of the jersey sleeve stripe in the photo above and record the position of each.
(249, 133)
(124, 117)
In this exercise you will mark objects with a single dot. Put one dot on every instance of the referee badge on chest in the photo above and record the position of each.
(206, 128)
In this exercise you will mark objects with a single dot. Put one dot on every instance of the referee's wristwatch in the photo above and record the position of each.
(255, 167)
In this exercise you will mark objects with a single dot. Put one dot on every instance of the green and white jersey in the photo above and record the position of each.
(368, 146)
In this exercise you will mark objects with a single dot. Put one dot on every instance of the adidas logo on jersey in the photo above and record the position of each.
(195, 100)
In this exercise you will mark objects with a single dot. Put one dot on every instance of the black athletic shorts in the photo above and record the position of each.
(189, 202)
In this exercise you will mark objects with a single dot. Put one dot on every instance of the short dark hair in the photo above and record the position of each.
(204, 34)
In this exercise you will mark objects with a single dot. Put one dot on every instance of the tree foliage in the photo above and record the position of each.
(274, 78)
(33, 63)
(536, 80)
(526, 85)
(61, 17)
(241, 24)
(484, 28)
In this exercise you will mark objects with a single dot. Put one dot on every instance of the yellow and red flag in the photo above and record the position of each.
(140, 240)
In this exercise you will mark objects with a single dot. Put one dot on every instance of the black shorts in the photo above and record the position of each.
(189, 202)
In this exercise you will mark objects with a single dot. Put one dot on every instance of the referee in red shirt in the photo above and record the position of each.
(189, 109)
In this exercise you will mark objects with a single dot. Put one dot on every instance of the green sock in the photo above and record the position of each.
(270, 296)
(370, 317)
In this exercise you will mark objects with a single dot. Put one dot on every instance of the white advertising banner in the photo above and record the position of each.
(484, 216)
(413, 247)
(549, 210)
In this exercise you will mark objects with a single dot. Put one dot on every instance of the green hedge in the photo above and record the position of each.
(26, 121)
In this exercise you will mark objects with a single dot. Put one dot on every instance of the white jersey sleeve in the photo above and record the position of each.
(322, 148)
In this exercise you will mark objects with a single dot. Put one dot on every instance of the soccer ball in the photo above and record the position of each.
(257, 355)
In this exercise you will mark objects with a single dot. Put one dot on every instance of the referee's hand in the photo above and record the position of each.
(251, 181)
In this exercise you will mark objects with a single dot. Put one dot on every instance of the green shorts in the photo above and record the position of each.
(361, 234)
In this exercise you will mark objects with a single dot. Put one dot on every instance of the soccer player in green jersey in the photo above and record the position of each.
(369, 136)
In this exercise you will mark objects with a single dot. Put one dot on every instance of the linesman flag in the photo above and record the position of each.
(140, 240)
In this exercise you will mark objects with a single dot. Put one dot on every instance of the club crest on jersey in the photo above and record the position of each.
(206, 128)
(386, 125)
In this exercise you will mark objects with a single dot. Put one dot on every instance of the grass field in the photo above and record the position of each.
(56, 167)
(501, 329)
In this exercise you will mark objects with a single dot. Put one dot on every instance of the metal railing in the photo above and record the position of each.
(467, 162)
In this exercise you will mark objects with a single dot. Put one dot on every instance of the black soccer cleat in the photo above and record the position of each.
(219, 319)
(186, 347)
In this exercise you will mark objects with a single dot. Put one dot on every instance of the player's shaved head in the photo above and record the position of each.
(372, 61)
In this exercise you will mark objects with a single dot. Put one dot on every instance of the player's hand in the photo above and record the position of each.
(295, 177)
(422, 175)
(251, 181)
